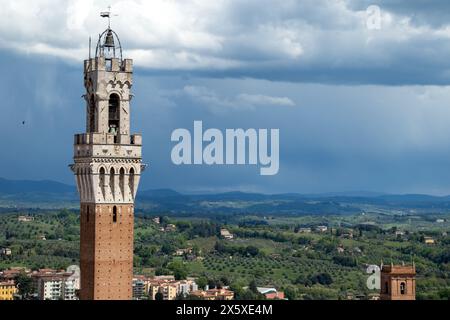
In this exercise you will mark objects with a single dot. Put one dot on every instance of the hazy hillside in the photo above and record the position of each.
(51, 194)
(28, 186)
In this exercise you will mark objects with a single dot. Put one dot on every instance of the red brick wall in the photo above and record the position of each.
(394, 281)
(106, 252)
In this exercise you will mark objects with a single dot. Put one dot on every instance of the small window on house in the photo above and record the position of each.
(114, 214)
(402, 288)
(87, 214)
(386, 287)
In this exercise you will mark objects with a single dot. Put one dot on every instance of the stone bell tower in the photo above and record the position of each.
(107, 167)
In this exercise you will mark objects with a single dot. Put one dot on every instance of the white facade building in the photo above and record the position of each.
(56, 287)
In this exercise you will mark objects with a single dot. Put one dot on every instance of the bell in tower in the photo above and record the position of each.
(109, 40)
(109, 46)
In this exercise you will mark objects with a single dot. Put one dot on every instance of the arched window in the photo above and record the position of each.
(122, 182)
(114, 214)
(111, 182)
(131, 182)
(92, 115)
(402, 288)
(114, 116)
(102, 181)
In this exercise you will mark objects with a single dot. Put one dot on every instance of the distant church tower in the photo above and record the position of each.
(398, 282)
(107, 166)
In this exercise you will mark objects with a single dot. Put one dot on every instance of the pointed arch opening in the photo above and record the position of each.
(114, 116)
(122, 182)
(112, 175)
(131, 182)
(102, 181)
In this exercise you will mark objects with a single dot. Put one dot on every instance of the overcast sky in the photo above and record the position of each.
(358, 108)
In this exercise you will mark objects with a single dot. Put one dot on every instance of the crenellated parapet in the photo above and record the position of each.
(106, 139)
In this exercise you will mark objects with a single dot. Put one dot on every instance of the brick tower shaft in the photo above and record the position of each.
(106, 252)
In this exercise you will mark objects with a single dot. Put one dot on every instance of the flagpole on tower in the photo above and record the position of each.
(107, 14)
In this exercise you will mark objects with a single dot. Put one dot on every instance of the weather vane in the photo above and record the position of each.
(108, 14)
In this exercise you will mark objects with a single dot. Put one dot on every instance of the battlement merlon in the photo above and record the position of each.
(108, 65)
(398, 269)
(95, 138)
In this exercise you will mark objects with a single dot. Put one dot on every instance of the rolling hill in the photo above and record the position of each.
(53, 195)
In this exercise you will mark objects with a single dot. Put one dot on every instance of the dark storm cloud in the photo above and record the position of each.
(357, 109)
(332, 138)
(299, 41)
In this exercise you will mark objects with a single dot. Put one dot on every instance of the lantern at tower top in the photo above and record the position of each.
(108, 45)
